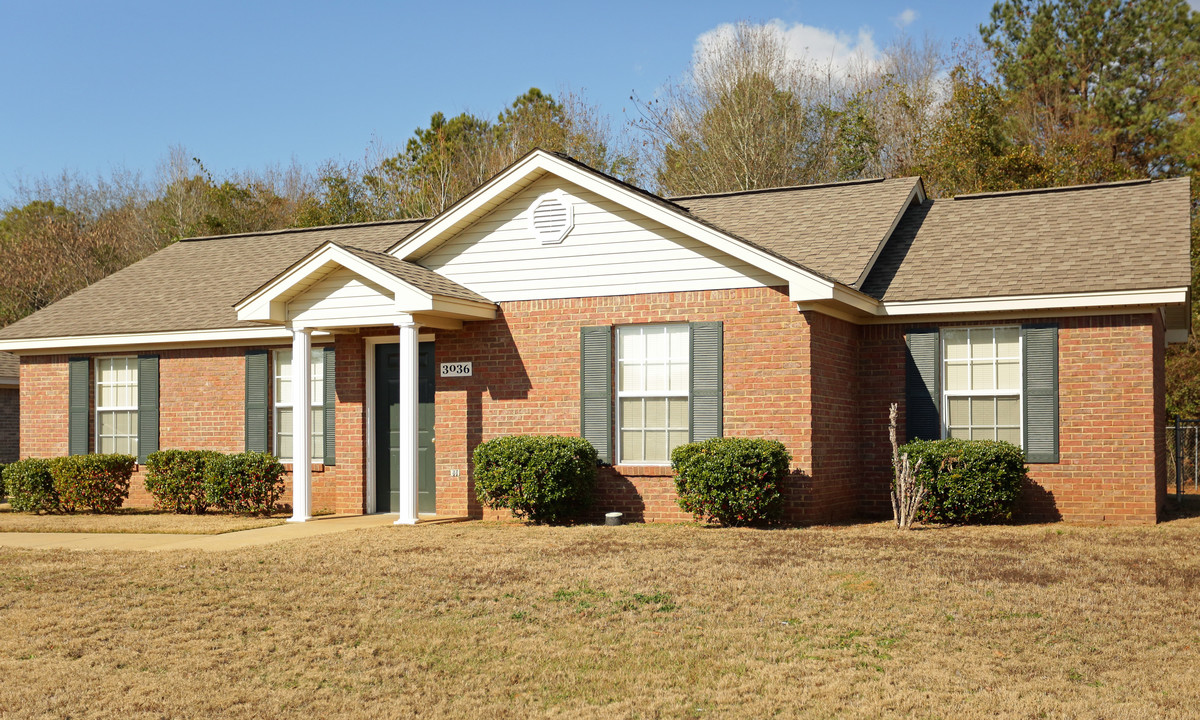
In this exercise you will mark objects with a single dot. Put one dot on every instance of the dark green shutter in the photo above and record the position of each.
(78, 394)
(147, 406)
(705, 408)
(1039, 363)
(595, 386)
(922, 390)
(330, 402)
(258, 379)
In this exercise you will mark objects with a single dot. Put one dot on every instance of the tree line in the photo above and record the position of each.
(1049, 93)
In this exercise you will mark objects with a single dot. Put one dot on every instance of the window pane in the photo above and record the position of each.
(108, 424)
(679, 343)
(285, 447)
(104, 371)
(956, 344)
(1012, 435)
(630, 343)
(677, 438)
(631, 413)
(630, 379)
(656, 446)
(122, 423)
(106, 396)
(131, 373)
(1008, 411)
(656, 344)
(106, 445)
(981, 343)
(656, 413)
(982, 376)
(957, 411)
(956, 376)
(656, 378)
(986, 433)
(125, 396)
(1008, 342)
(679, 413)
(963, 433)
(679, 377)
(631, 445)
(1008, 375)
(983, 411)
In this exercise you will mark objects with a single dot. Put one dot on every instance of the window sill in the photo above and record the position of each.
(631, 469)
(315, 467)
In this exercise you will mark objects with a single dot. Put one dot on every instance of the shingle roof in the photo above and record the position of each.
(1119, 236)
(415, 275)
(10, 365)
(834, 229)
(193, 284)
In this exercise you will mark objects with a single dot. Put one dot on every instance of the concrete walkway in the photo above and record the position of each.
(224, 541)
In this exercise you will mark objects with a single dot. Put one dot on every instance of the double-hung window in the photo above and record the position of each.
(652, 391)
(116, 405)
(282, 387)
(982, 382)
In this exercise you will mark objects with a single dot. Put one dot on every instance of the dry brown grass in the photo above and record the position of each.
(131, 520)
(505, 621)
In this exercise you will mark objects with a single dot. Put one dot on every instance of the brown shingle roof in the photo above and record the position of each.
(1120, 236)
(415, 275)
(194, 284)
(834, 229)
(10, 365)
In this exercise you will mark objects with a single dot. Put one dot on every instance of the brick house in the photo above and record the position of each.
(555, 299)
(10, 414)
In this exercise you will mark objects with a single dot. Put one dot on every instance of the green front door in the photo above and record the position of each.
(387, 430)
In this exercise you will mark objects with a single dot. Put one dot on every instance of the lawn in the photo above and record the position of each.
(505, 621)
(131, 520)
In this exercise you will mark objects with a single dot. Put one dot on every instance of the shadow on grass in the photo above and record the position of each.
(1185, 508)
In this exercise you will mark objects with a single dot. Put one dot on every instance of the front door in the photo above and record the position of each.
(387, 431)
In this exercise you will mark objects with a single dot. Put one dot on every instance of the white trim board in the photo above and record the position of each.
(369, 412)
(228, 337)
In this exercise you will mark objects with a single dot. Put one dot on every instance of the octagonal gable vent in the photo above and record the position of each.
(552, 217)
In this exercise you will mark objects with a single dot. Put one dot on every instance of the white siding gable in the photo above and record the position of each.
(339, 295)
(609, 251)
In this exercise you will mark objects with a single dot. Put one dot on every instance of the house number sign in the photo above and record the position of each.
(458, 369)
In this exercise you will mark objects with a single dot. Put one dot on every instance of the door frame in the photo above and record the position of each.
(369, 411)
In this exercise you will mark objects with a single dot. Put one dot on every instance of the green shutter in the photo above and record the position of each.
(705, 407)
(78, 394)
(1039, 364)
(330, 403)
(258, 380)
(595, 385)
(922, 391)
(147, 406)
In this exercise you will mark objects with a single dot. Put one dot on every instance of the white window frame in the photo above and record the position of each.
(316, 399)
(132, 364)
(1018, 393)
(646, 394)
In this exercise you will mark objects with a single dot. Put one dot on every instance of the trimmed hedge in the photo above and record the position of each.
(30, 486)
(732, 480)
(540, 477)
(98, 482)
(968, 481)
(176, 479)
(249, 483)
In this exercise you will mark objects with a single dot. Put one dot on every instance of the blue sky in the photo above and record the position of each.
(90, 86)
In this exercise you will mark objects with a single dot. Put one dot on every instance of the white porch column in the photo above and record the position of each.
(301, 420)
(408, 421)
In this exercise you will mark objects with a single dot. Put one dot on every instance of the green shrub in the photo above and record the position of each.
(733, 480)
(3, 491)
(249, 483)
(30, 486)
(176, 479)
(98, 482)
(540, 477)
(968, 481)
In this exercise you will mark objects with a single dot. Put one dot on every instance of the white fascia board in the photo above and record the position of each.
(192, 338)
(803, 285)
(1018, 303)
(9, 382)
(463, 309)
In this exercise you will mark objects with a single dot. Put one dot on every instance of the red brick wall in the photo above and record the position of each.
(201, 407)
(1111, 445)
(10, 424)
(526, 380)
(834, 490)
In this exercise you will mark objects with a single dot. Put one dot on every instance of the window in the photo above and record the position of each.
(283, 403)
(982, 381)
(652, 391)
(116, 405)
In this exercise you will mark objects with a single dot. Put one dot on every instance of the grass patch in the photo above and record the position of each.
(507, 621)
(131, 520)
